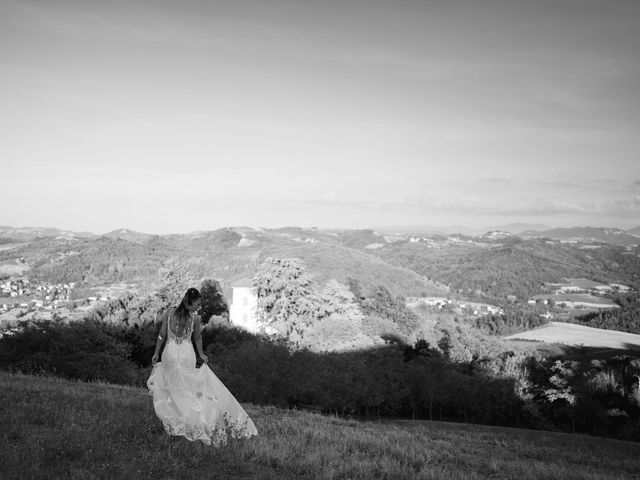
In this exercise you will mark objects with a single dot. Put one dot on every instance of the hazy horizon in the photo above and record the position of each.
(167, 117)
(514, 228)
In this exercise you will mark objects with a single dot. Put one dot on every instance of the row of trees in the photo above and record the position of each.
(416, 381)
(516, 318)
(625, 319)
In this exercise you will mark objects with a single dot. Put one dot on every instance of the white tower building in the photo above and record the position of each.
(243, 310)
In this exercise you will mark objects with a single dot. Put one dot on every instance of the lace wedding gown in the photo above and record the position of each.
(193, 402)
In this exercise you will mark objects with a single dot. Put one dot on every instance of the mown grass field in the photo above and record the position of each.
(577, 335)
(52, 428)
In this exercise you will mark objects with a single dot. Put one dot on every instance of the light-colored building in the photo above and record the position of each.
(244, 304)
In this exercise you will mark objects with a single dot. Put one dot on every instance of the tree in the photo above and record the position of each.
(213, 302)
(338, 299)
(286, 299)
(561, 386)
(176, 280)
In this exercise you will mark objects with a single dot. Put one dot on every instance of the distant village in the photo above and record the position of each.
(440, 303)
(25, 293)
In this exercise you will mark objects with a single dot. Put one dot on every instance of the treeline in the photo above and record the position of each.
(516, 318)
(411, 381)
(625, 319)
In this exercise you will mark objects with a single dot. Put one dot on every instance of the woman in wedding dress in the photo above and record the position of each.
(192, 402)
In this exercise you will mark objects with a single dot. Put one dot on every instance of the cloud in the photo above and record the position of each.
(496, 180)
(472, 206)
(561, 184)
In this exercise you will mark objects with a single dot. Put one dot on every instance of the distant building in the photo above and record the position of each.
(244, 304)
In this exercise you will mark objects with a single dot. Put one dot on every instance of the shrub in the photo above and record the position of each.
(86, 351)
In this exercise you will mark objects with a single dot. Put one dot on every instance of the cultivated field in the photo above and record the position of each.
(54, 428)
(572, 334)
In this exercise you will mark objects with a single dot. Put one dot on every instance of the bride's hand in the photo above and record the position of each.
(204, 358)
(154, 359)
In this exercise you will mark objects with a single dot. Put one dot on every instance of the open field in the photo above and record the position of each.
(9, 270)
(579, 335)
(56, 428)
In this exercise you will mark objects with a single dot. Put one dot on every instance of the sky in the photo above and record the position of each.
(168, 116)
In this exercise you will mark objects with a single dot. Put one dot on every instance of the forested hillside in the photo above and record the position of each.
(222, 254)
(612, 236)
(475, 267)
(513, 266)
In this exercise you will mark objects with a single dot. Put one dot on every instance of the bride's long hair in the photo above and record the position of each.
(182, 312)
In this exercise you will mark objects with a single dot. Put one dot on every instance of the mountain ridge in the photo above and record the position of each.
(520, 229)
(614, 236)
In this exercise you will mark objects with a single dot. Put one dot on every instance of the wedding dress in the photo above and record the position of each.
(193, 402)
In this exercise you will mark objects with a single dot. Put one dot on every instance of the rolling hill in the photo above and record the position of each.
(225, 254)
(488, 267)
(130, 235)
(612, 236)
(27, 234)
(514, 228)
(493, 269)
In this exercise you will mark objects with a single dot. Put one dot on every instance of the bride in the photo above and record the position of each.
(191, 401)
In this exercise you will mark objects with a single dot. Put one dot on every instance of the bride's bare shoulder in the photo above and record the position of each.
(165, 315)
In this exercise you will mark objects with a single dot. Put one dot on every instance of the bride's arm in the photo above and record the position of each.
(197, 336)
(162, 336)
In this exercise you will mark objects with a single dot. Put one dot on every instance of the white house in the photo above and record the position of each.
(243, 309)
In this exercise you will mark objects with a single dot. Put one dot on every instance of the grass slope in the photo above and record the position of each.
(55, 428)
(572, 334)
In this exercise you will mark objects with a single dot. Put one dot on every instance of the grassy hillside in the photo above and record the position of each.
(60, 429)
(579, 335)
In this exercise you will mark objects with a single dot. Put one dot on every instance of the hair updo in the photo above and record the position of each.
(190, 296)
